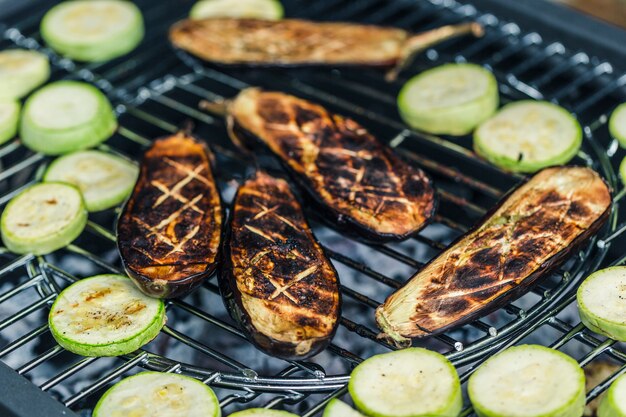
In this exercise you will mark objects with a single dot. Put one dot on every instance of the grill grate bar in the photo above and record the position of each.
(68, 372)
(49, 354)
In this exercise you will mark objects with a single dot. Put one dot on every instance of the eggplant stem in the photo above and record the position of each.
(417, 43)
(219, 107)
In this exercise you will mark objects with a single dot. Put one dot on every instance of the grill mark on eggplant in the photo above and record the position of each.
(283, 291)
(170, 229)
(530, 232)
(360, 183)
(293, 42)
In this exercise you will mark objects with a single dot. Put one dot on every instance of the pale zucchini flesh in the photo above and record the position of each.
(105, 315)
(262, 412)
(602, 302)
(337, 408)
(528, 381)
(43, 218)
(66, 116)
(93, 30)
(613, 404)
(412, 382)
(622, 170)
(9, 118)
(450, 99)
(21, 71)
(248, 9)
(617, 124)
(157, 394)
(527, 135)
(105, 180)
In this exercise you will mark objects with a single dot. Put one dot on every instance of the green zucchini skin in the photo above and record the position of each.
(8, 127)
(34, 70)
(617, 124)
(613, 403)
(262, 412)
(62, 140)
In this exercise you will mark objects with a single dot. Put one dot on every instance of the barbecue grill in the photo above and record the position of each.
(156, 92)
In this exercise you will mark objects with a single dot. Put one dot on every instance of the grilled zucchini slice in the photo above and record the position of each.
(105, 180)
(337, 408)
(602, 302)
(262, 412)
(66, 116)
(21, 71)
(105, 315)
(43, 218)
(614, 402)
(450, 99)
(528, 381)
(246, 9)
(429, 385)
(93, 30)
(622, 171)
(528, 135)
(157, 394)
(9, 118)
(617, 124)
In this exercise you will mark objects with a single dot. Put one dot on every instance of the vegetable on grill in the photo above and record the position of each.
(275, 279)
(9, 118)
(93, 30)
(105, 315)
(617, 124)
(262, 412)
(249, 9)
(528, 135)
(21, 71)
(530, 232)
(449, 99)
(614, 403)
(413, 382)
(169, 231)
(293, 42)
(602, 302)
(43, 218)
(528, 381)
(105, 180)
(66, 116)
(337, 408)
(357, 181)
(158, 394)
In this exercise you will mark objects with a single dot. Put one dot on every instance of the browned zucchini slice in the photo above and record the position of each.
(529, 232)
(169, 231)
(360, 183)
(275, 278)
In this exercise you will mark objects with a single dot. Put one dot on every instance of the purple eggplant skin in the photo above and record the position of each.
(310, 309)
(169, 231)
(390, 179)
(449, 291)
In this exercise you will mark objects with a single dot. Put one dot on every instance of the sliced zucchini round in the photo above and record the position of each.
(602, 302)
(105, 180)
(93, 30)
(43, 218)
(449, 99)
(251, 9)
(528, 381)
(262, 412)
(622, 170)
(528, 135)
(66, 116)
(337, 408)
(613, 404)
(9, 118)
(105, 315)
(412, 382)
(617, 124)
(157, 394)
(21, 71)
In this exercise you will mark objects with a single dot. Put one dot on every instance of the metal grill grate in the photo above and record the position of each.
(156, 94)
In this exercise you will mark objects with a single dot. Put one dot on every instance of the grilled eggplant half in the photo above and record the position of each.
(292, 42)
(275, 279)
(169, 232)
(361, 184)
(531, 231)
